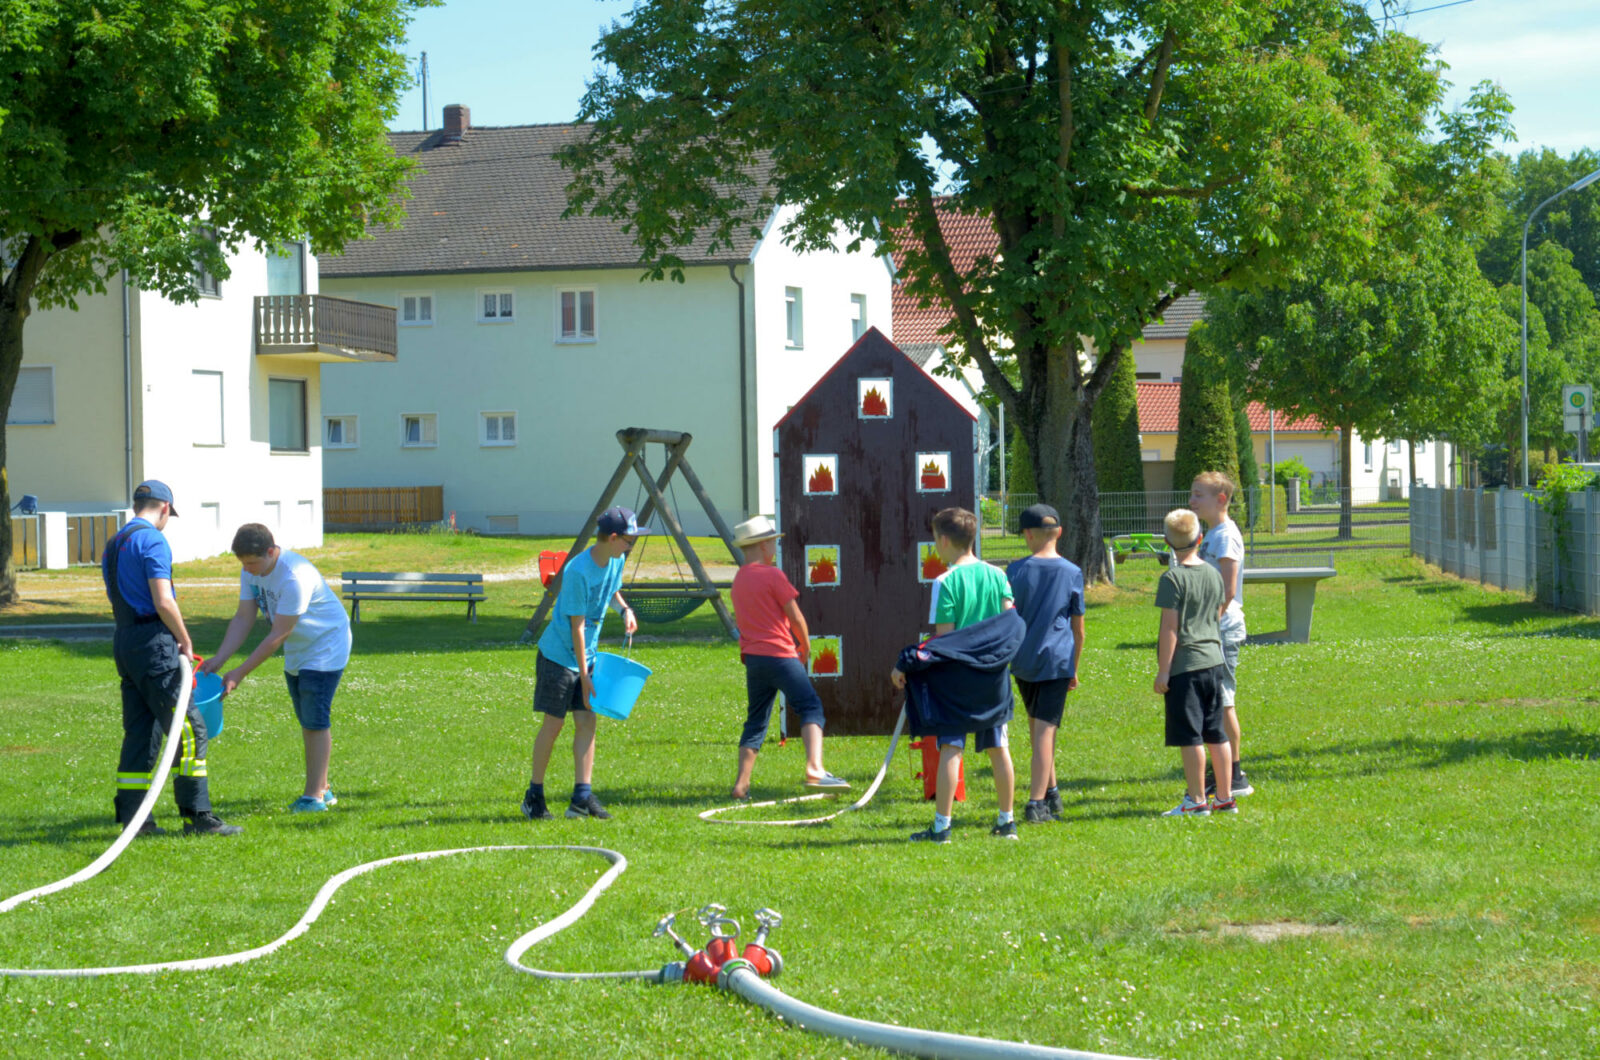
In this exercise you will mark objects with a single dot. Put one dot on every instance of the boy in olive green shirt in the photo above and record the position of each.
(1189, 667)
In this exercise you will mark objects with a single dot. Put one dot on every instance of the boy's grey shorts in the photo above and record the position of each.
(1231, 639)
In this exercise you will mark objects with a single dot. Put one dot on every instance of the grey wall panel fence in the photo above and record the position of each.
(1504, 539)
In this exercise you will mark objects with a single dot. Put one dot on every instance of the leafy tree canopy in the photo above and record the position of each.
(1126, 152)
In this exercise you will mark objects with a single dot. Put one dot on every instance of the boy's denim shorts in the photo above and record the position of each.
(1231, 639)
(557, 691)
(764, 677)
(983, 739)
(311, 692)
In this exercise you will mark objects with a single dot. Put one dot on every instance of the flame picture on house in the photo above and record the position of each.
(827, 657)
(929, 563)
(821, 474)
(875, 399)
(822, 566)
(933, 472)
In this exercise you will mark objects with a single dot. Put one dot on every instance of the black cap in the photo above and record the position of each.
(154, 490)
(1038, 517)
(619, 520)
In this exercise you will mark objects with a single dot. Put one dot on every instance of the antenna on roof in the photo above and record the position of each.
(422, 76)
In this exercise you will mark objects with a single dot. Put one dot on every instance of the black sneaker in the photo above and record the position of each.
(1037, 812)
(149, 828)
(534, 809)
(207, 823)
(590, 807)
(1241, 784)
(1052, 802)
(1004, 831)
(928, 835)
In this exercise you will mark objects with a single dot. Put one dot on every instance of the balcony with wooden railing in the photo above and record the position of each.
(317, 327)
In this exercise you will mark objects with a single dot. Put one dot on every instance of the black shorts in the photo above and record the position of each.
(557, 691)
(1194, 708)
(1044, 701)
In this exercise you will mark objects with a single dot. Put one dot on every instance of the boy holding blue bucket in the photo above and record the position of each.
(562, 683)
(774, 644)
(309, 621)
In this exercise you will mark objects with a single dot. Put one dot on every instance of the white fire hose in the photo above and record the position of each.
(736, 976)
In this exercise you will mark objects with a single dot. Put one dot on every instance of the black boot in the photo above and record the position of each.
(207, 823)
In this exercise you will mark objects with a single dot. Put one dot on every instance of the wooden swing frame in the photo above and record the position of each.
(633, 441)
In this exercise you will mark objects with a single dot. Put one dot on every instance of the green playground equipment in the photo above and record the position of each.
(1126, 546)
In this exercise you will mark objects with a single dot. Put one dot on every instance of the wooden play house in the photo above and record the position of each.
(864, 460)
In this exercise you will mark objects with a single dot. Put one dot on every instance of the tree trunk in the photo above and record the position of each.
(1061, 438)
(1411, 482)
(1347, 452)
(10, 366)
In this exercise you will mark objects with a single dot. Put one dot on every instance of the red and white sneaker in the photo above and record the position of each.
(1189, 808)
(1218, 806)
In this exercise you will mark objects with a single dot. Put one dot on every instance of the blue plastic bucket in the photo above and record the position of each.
(207, 698)
(617, 684)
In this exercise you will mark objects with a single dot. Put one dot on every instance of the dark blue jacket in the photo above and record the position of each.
(960, 682)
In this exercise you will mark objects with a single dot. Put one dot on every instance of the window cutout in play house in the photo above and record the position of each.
(875, 398)
(822, 566)
(933, 472)
(929, 564)
(821, 475)
(827, 657)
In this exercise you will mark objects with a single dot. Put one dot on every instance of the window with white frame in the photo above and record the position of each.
(575, 314)
(339, 432)
(793, 317)
(495, 307)
(1394, 447)
(858, 316)
(286, 269)
(206, 283)
(286, 415)
(205, 407)
(416, 309)
(33, 402)
(419, 430)
(497, 428)
(1366, 452)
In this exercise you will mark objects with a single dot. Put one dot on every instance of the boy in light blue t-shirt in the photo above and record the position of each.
(562, 685)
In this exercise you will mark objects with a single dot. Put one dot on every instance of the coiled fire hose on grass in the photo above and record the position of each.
(736, 975)
(713, 816)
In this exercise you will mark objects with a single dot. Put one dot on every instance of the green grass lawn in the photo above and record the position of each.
(1417, 874)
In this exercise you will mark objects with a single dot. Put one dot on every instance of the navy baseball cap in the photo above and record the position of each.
(153, 489)
(620, 520)
(1038, 517)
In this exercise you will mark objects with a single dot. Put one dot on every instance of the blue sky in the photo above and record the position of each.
(522, 63)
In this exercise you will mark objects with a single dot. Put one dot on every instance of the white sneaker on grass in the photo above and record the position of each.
(1189, 808)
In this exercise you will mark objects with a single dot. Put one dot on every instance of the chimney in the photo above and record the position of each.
(457, 119)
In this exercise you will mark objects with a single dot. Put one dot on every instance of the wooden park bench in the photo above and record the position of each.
(411, 586)
(1300, 596)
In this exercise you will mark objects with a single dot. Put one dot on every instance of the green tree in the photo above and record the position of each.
(1207, 431)
(152, 136)
(1019, 468)
(1573, 220)
(1118, 465)
(1125, 152)
(1245, 444)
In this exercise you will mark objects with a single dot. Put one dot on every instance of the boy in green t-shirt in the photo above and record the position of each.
(968, 592)
(1189, 667)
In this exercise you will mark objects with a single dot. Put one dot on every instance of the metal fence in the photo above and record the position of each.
(1502, 537)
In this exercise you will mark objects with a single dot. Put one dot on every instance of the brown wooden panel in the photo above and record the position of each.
(876, 517)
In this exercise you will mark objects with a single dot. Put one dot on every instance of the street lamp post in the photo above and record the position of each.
(1574, 186)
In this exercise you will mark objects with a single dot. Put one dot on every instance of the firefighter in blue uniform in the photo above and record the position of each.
(150, 637)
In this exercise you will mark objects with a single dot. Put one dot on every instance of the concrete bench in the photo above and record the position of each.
(1300, 595)
(410, 586)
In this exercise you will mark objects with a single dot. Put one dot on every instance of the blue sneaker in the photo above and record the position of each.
(329, 798)
(307, 804)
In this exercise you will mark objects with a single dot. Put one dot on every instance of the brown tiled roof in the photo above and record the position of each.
(1158, 413)
(971, 236)
(493, 203)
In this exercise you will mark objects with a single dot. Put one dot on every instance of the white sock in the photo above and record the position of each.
(1004, 817)
(940, 822)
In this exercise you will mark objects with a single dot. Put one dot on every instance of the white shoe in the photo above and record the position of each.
(1189, 808)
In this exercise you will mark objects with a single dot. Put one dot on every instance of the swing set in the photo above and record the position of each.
(652, 601)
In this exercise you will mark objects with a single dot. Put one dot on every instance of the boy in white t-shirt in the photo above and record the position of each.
(309, 621)
(1223, 548)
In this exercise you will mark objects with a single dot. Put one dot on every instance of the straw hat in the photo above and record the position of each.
(754, 531)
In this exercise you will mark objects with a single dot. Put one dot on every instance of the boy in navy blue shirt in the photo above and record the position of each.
(590, 582)
(1049, 596)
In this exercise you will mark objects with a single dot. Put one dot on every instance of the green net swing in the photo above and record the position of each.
(654, 603)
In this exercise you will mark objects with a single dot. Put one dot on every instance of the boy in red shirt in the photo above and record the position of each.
(774, 645)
